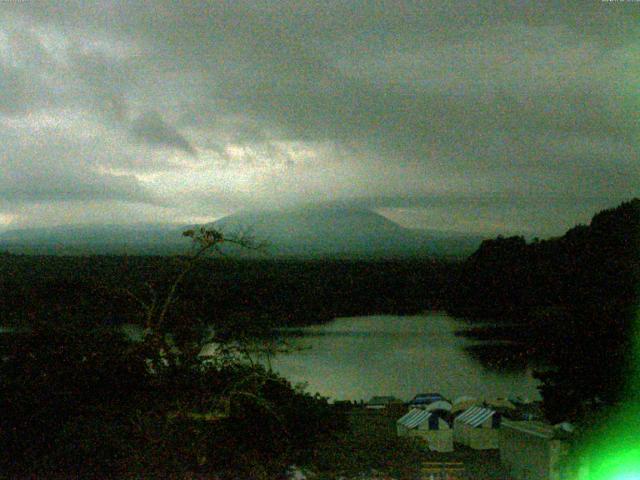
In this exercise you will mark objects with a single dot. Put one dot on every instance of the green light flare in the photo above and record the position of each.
(623, 466)
(613, 453)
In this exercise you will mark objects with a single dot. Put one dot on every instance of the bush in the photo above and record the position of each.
(80, 402)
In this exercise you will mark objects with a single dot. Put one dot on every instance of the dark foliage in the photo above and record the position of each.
(595, 264)
(287, 292)
(83, 401)
(79, 402)
(61, 385)
(574, 299)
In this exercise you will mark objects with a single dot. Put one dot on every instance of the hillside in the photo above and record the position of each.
(308, 233)
(574, 301)
(338, 231)
(589, 264)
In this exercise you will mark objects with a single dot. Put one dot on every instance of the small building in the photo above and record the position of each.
(423, 399)
(382, 402)
(477, 428)
(428, 427)
(442, 408)
(533, 450)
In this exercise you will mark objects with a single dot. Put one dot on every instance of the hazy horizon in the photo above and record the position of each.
(135, 223)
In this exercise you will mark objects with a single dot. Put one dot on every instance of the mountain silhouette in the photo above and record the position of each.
(342, 231)
(295, 232)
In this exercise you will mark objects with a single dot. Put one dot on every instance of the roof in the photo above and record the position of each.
(475, 416)
(423, 398)
(439, 405)
(417, 417)
(537, 429)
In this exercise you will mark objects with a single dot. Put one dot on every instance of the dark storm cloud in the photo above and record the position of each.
(499, 104)
(151, 128)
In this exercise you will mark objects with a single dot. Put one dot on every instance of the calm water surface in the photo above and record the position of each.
(356, 358)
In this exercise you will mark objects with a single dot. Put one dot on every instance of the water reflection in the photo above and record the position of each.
(359, 357)
(356, 358)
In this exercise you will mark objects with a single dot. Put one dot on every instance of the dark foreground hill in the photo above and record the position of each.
(571, 300)
(590, 264)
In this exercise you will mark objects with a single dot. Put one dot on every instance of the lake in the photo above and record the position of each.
(356, 358)
(359, 357)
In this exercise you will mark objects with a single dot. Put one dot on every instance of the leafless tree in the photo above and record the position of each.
(155, 308)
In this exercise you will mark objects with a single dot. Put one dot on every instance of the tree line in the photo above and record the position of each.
(289, 292)
(574, 298)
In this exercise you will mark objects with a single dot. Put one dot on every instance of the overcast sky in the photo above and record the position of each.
(473, 116)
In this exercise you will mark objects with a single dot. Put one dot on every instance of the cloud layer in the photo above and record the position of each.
(449, 115)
